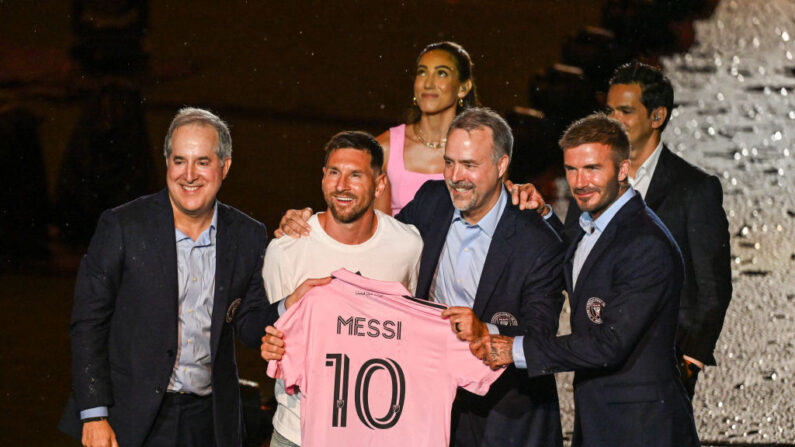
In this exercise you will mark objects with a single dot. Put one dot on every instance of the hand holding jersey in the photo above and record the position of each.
(464, 323)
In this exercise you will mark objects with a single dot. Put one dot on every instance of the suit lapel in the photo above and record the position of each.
(225, 256)
(661, 180)
(165, 245)
(568, 261)
(500, 250)
(606, 239)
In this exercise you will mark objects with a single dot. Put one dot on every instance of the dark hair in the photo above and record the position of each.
(465, 73)
(192, 115)
(656, 90)
(597, 128)
(356, 139)
(479, 117)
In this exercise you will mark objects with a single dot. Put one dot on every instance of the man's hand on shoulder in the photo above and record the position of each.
(98, 434)
(294, 223)
(527, 197)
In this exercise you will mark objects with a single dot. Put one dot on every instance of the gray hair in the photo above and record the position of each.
(479, 117)
(192, 115)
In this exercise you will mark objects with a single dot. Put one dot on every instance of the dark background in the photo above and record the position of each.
(285, 76)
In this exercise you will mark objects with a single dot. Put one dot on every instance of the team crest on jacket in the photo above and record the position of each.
(504, 319)
(594, 308)
(232, 310)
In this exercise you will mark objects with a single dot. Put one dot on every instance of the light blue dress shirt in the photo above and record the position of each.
(196, 275)
(463, 256)
(196, 280)
(593, 230)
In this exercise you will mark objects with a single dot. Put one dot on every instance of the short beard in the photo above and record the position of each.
(462, 185)
(355, 213)
(609, 194)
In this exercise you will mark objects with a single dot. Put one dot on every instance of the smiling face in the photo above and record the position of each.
(194, 171)
(594, 176)
(436, 84)
(472, 176)
(350, 185)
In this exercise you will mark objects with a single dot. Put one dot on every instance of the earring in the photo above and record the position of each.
(414, 99)
(460, 102)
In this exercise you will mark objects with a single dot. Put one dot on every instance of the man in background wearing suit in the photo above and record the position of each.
(168, 281)
(623, 273)
(687, 200)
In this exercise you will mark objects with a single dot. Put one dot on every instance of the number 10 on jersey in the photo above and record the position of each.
(339, 410)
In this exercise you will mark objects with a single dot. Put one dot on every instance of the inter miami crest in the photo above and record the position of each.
(594, 308)
(504, 319)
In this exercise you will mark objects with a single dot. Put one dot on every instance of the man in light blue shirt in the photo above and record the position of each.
(196, 282)
(168, 283)
(623, 273)
(499, 269)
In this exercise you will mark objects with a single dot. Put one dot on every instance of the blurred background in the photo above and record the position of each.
(88, 88)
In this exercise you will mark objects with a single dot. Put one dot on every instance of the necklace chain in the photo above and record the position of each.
(429, 144)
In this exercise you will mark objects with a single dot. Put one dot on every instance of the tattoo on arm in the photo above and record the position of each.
(500, 351)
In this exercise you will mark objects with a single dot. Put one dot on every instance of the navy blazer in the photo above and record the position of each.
(520, 287)
(623, 317)
(124, 330)
(690, 204)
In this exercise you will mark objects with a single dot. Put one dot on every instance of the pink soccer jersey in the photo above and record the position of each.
(374, 367)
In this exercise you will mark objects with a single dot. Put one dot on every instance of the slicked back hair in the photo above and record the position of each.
(656, 90)
(597, 128)
(192, 115)
(356, 139)
(465, 69)
(483, 117)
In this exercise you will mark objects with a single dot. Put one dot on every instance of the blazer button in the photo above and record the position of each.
(170, 353)
(158, 390)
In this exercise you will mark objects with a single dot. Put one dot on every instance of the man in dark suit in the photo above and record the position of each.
(495, 264)
(168, 281)
(623, 273)
(498, 267)
(687, 200)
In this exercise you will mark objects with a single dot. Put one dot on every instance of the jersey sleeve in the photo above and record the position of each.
(468, 371)
(292, 367)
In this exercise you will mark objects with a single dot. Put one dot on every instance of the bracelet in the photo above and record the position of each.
(95, 419)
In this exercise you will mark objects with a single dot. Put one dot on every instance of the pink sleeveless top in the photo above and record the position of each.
(404, 183)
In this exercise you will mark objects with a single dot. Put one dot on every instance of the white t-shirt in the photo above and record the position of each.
(375, 366)
(391, 254)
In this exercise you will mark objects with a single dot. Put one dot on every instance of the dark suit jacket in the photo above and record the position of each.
(626, 385)
(521, 283)
(690, 203)
(124, 329)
